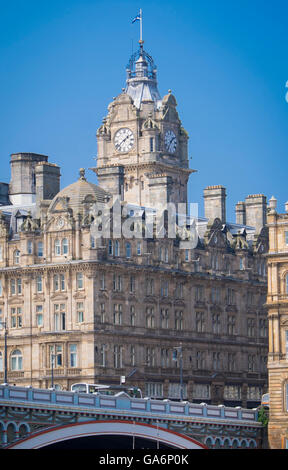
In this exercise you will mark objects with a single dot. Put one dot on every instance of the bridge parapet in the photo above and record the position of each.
(123, 402)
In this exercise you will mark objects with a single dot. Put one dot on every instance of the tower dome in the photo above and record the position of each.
(77, 195)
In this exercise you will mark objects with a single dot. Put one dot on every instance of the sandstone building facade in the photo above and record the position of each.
(277, 263)
(88, 304)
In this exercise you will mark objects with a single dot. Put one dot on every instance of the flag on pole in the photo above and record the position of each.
(136, 18)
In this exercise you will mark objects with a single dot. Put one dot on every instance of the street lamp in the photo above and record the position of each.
(3, 324)
(178, 350)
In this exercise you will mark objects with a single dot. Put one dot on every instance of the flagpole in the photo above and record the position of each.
(140, 26)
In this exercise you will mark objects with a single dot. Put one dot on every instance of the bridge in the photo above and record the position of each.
(33, 418)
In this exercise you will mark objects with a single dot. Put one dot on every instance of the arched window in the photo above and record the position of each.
(110, 247)
(117, 248)
(65, 246)
(128, 250)
(57, 247)
(16, 360)
(16, 257)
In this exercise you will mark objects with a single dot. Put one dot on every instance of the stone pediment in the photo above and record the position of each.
(59, 297)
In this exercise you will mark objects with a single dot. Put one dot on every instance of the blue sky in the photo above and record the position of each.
(62, 62)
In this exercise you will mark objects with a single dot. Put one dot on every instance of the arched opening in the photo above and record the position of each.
(134, 435)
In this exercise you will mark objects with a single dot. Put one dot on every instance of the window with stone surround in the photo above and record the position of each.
(117, 314)
(16, 317)
(231, 325)
(150, 318)
(118, 356)
(79, 281)
(39, 315)
(200, 322)
(73, 359)
(150, 356)
(59, 317)
(179, 320)
(80, 312)
(39, 283)
(16, 360)
(164, 318)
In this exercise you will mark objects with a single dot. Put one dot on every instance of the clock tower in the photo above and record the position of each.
(142, 146)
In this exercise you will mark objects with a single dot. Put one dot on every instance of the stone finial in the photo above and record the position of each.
(82, 174)
(272, 205)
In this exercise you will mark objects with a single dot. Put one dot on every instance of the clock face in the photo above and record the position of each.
(60, 223)
(170, 141)
(124, 140)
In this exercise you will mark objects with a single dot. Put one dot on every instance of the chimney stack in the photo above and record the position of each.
(256, 211)
(215, 203)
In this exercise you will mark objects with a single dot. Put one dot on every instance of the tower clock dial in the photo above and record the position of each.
(124, 140)
(170, 141)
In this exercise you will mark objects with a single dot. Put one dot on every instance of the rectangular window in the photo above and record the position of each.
(19, 286)
(73, 355)
(117, 282)
(39, 315)
(164, 289)
(56, 355)
(286, 238)
(56, 282)
(103, 350)
(138, 248)
(132, 284)
(16, 317)
(231, 322)
(174, 390)
(132, 356)
(150, 357)
(201, 391)
(164, 315)
(102, 281)
(232, 392)
(178, 320)
(30, 247)
(117, 314)
(80, 283)
(154, 389)
(151, 144)
(250, 327)
(199, 293)
(165, 358)
(80, 312)
(39, 284)
(40, 249)
(132, 315)
(62, 281)
(200, 322)
(59, 317)
(118, 352)
(12, 286)
(102, 313)
(200, 360)
(150, 318)
(1, 288)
